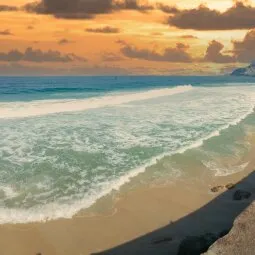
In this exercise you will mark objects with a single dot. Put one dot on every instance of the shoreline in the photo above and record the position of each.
(134, 214)
(126, 179)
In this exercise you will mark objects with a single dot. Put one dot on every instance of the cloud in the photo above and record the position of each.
(177, 54)
(64, 41)
(244, 50)
(239, 16)
(70, 9)
(36, 55)
(7, 8)
(30, 27)
(157, 33)
(104, 30)
(168, 9)
(188, 37)
(134, 5)
(111, 57)
(5, 32)
(84, 9)
(74, 57)
(13, 69)
(214, 53)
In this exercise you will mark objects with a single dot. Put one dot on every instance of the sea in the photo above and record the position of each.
(66, 142)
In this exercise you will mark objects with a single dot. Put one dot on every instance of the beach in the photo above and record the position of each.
(127, 127)
(124, 167)
(137, 213)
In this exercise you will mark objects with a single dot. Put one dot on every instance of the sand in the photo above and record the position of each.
(147, 220)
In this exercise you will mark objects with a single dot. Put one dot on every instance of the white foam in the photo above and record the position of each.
(54, 211)
(9, 191)
(57, 210)
(224, 171)
(45, 107)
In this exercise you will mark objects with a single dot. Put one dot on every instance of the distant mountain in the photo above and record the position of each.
(246, 71)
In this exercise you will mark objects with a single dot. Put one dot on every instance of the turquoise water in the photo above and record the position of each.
(67, 141)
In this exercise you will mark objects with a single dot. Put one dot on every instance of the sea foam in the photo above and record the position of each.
(175, 124)
(55, 210)
(45, 107)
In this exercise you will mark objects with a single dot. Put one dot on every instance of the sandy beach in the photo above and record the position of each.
(127, 127)
(155, 218)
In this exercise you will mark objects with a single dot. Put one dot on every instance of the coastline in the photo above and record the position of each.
(134, 214)
(61, 181)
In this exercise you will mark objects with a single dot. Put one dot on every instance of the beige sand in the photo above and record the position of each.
(144, 210)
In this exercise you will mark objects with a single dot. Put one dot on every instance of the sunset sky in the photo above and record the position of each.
(123, 37)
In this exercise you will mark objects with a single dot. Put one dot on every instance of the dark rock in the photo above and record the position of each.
(223, 233)
(216, 188)
(241, 194)
(162, 240)
(240, 240)
(230, 186)
(195, 245)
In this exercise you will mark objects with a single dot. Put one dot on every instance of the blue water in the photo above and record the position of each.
(67, 141)
(39, 88)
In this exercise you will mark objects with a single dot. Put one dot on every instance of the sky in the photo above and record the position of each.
(125, 37)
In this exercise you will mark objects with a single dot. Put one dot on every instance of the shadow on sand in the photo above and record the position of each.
(216, 218)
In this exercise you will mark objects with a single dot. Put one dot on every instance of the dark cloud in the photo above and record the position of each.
(188, 37)
(177, 54)
(244, 50)
(7, 8)
(168, 9)
(36, 55)
(64, 41)
(74, 57)
(5, 32)
(134, 5)
(239, 16)
(30, 27)
(111, 57)
(157, 33)
(214, 53)
(70, 9)
(84, 9)
(104, 30)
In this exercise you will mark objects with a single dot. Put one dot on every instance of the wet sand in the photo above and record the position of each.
(134, 214)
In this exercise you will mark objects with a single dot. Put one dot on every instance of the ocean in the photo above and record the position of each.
(65, 142)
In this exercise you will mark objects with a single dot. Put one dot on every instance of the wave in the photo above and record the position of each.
(45, 107)
(224, 171)
(54, 211)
